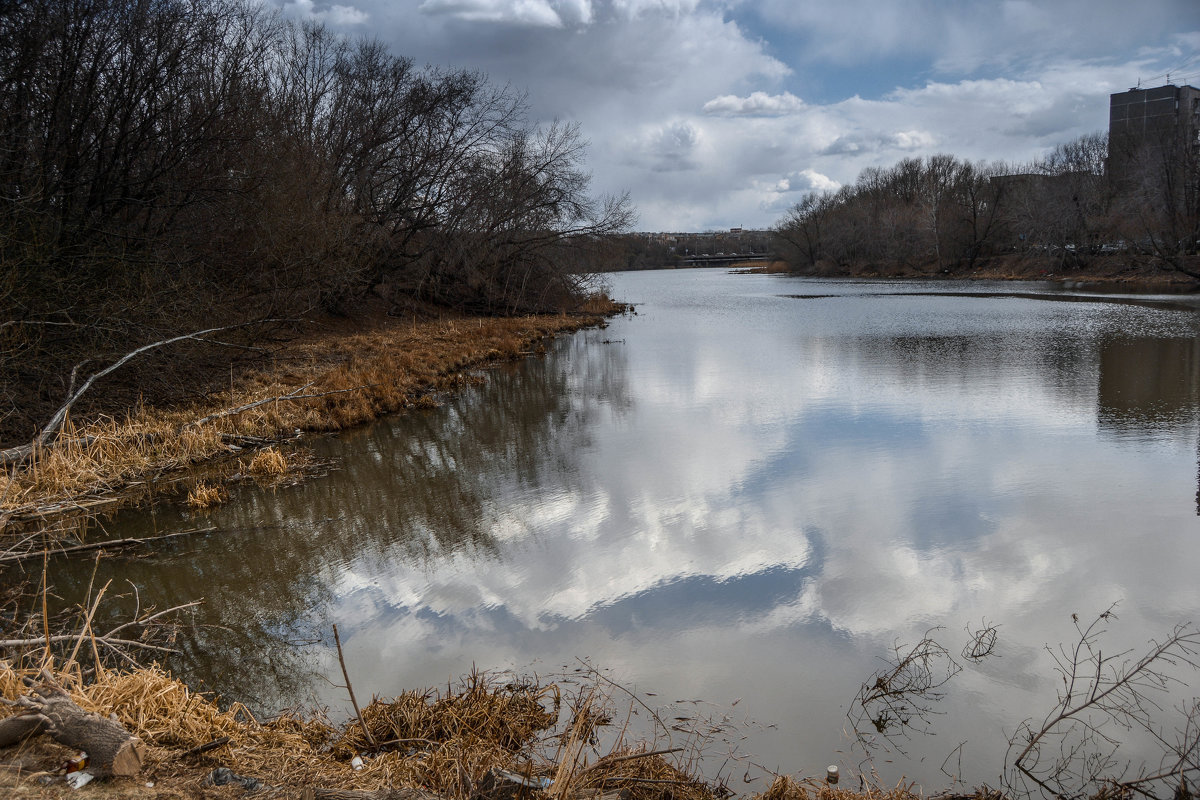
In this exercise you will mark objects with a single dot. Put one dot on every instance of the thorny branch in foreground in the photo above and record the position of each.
(1107, 703)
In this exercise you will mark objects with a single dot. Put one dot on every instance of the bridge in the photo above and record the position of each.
(706, 260)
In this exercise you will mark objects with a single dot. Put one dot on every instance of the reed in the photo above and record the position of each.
(327, 381)
(785, 787)
(268, 463)
(203, 496)
(447, 743)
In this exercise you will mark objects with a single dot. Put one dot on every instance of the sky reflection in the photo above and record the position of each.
(746, 492)
(800, 477)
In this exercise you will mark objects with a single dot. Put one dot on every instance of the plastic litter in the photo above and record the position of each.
(77, 780)
(532, 783)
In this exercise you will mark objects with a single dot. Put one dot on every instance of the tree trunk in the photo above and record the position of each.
(19, 726)
(111, 749)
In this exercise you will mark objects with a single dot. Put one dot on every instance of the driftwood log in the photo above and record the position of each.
(111, 749)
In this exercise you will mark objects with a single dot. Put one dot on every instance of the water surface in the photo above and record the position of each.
(751, 490)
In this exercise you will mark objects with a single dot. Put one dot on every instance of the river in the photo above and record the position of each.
(745, 497)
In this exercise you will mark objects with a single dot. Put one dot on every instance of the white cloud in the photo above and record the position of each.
(346, 15)
(668, 148)
(700, 119)
(757, 104)
(913, 140)
(575, 12)
(813, 181)
(632, 9)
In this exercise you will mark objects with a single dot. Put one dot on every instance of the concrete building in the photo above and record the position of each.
(1152, 129)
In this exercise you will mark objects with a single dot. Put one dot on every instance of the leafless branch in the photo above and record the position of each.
(899, 699)
(47, 433)
(1104, 702)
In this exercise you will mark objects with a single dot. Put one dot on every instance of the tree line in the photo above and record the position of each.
(171, 165)
(943, 214)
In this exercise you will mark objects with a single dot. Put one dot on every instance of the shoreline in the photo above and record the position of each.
(487, 737)
(333, 376)
(1102, 274)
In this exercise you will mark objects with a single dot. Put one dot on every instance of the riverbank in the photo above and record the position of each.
(1101, 272)
(488, 738)
(337, 374)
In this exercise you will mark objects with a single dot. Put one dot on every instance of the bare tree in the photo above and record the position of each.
(1157, 206)
(170, 165)
(800, 232)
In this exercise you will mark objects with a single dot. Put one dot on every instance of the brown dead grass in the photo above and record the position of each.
(788, 788)
(444, 743)
(203, 495)
(268, 463)
(327, 381)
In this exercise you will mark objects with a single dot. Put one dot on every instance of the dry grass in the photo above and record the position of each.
(203, 495)
(603, 305)
(788, 788)
(326, 382)
(268, 463)
(511, 718)
(446, 744)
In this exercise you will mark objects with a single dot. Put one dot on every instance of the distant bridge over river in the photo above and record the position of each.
(706, 260)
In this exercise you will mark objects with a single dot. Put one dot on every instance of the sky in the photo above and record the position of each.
(715, 114)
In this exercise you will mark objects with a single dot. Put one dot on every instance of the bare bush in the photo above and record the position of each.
(901, 698)
(1107, 706)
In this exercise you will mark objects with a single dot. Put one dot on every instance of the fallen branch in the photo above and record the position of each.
(112, 544)
(361, 722)
(292, 395)
(109, 639)
(1075, 749)
(15, 456)
(47, 433)
(203, 748)
(229, 412)
(608, 761)
(70, 637)
(621, 778)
